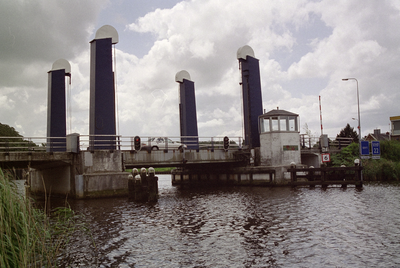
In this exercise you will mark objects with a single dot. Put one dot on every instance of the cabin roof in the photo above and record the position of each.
(278, 112)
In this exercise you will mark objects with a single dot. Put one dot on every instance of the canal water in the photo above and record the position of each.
(241, 227)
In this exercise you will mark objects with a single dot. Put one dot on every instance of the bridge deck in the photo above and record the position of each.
(131, 159)
(176, 158)
(24, 159)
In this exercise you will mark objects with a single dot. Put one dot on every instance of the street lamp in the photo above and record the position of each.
(358, 104)
(359, 121)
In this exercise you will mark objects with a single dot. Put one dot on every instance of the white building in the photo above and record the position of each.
(279, 138)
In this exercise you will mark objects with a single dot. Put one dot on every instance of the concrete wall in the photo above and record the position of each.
(103, 184)
(312, 159)
(279, 148)
(174, 157)
(97, 174)
(52, 181)
(101, 161)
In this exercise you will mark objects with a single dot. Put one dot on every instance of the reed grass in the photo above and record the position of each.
(28, 236)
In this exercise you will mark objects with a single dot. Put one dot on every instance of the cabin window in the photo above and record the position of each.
(265, 125)
(282, 123)
(279, 123)
(293, 123)
(274, 123)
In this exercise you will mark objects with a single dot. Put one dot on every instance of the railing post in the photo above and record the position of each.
(149, 144)
(29, 144)
(7, 147)
(212, 144)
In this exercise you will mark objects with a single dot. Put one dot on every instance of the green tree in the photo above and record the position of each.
(7, 131)
(348, 132)
(7, 138)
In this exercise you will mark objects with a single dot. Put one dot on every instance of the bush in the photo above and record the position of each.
(346, 156)
(390, 150)
(381, 170)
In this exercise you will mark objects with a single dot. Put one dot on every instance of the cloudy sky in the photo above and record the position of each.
(305, 48)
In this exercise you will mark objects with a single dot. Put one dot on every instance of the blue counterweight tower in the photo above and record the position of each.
(187, 110)
(56, 108)
(102, 121)
(252, 97)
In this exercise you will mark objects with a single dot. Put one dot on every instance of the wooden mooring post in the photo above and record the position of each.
(326, 176)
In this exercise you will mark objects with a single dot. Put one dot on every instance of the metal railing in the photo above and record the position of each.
(313, 142)
(13, 144)
(118, 142)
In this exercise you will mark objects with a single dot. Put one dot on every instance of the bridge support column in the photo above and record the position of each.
(56, 111)
(187, 110)
(102, 91)
(251, 92)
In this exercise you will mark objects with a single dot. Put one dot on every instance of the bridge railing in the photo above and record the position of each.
(14, 144)
(118, 142)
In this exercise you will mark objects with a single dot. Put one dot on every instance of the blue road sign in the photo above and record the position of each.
(376, 149)
(365, 148)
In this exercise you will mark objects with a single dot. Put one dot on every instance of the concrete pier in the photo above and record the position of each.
(85, 175)
(101, 173)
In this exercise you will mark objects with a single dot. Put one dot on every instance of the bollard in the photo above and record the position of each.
(131, 187)
(152, 185)
(143, 187)
(140, 194)
(135, 172)
(143, 176)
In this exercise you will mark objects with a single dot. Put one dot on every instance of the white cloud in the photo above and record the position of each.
(305, 48)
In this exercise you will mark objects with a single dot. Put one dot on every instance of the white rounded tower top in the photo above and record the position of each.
(107, 31)
(61, 64)
(245, 51)
(182, 75)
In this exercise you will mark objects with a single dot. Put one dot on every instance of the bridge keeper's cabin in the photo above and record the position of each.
(279, 138)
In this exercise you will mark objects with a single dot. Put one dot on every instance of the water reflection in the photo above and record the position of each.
(241, 227)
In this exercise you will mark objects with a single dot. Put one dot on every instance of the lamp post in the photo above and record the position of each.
(359, 121)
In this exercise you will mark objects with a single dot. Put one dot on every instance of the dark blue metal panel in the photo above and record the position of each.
(187, 113)
(102, 95)
(252, 99)
(56, 113)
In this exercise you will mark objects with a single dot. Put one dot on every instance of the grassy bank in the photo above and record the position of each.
(163, 170)
(27, 239)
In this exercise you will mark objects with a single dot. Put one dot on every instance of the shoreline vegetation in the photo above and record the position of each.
(387, 168)
(29, 236)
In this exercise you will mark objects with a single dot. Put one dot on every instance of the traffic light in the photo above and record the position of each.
(137, 143)
(226, 143)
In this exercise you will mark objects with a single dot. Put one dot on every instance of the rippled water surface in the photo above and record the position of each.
(241, 227)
